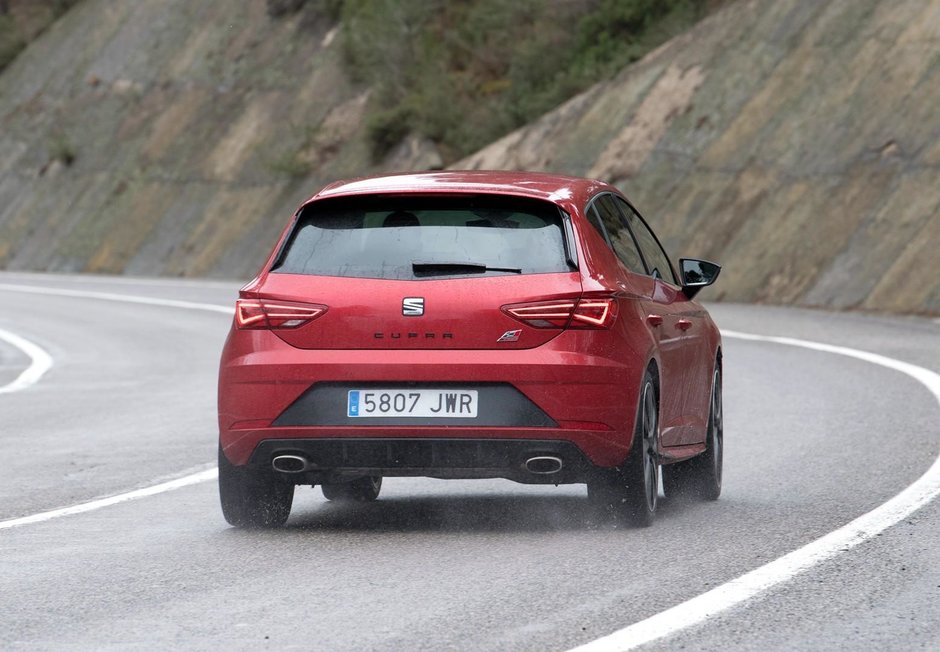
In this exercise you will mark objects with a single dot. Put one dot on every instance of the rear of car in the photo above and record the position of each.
(424, 335)
(439, 326)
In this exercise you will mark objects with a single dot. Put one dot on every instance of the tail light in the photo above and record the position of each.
(566, 313)
(264, 314)
(594, 313)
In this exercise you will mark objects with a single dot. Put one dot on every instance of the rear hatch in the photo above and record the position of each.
(425, 272)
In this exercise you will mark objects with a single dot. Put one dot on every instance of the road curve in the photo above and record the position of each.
(813, 441)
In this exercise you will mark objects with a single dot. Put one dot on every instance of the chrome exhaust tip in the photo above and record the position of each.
(543, 464)
(290, 463)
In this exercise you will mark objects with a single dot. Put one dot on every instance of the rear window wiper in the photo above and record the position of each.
(421, 267)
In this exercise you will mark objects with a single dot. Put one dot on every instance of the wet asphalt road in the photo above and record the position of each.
(812, 440)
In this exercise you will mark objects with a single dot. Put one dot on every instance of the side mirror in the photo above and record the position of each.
(696, 274)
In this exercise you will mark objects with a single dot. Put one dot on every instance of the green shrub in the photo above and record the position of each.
(465, 73)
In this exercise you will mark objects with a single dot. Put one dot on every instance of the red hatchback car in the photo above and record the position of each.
(470, 325)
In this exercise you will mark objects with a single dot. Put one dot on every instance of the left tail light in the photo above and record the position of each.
(266, 314)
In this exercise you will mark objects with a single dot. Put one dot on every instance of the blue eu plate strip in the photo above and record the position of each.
(352, 406)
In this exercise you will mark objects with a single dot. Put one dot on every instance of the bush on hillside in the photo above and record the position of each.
(465, 73)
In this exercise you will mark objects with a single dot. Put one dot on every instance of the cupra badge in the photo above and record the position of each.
(510, 336)
(412, 306)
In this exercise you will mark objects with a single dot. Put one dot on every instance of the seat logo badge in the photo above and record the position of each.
(412, 306)
(510, 336)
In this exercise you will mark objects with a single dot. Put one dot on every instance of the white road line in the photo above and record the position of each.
(121, 280)
(37, 369)
(40, 363)
(109, 296)
(81, 508)
(731, 594)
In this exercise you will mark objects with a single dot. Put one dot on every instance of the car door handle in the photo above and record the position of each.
(683, 324)
(654, 320)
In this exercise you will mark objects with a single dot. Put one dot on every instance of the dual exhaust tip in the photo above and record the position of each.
(538, 465)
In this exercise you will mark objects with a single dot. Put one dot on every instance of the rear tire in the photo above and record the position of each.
(360, 490)
(253, 497)
(632, 491)
(700, 477)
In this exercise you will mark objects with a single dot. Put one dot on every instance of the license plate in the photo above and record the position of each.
(443, 403)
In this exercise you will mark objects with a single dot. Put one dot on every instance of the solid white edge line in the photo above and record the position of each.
(109, 296)
(81, 508)
(40, 363)
(737, 591)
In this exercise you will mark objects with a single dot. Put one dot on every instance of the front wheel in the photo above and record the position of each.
(253, 497)
(632, 491)
(700, 477)
(360, 490)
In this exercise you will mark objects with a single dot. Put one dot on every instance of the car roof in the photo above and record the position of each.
(565, 191)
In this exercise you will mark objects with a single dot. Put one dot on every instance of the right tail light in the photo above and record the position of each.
(584, 313)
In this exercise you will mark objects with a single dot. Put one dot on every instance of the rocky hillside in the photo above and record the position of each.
(795, 141)
(173, 137)
(21, 21)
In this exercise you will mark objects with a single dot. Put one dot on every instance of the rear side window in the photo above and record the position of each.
(620, 238)
(420, 237)
(595, 220)
(654, 254)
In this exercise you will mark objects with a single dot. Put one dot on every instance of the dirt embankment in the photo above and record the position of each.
(795, 141)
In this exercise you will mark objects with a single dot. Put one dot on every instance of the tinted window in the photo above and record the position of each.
(595, 220)
(376, 237)
(655, 256)
(620, 238)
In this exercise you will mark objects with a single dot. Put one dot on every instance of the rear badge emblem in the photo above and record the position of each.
(510, 336)
(412, 306)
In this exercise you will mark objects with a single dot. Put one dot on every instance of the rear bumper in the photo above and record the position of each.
(590, 399)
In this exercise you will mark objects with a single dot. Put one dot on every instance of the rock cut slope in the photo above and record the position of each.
(172, 137)
(795, 141)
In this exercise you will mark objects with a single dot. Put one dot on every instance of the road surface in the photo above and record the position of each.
(814, 439)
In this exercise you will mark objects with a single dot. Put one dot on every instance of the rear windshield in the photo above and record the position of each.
(424, 237)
